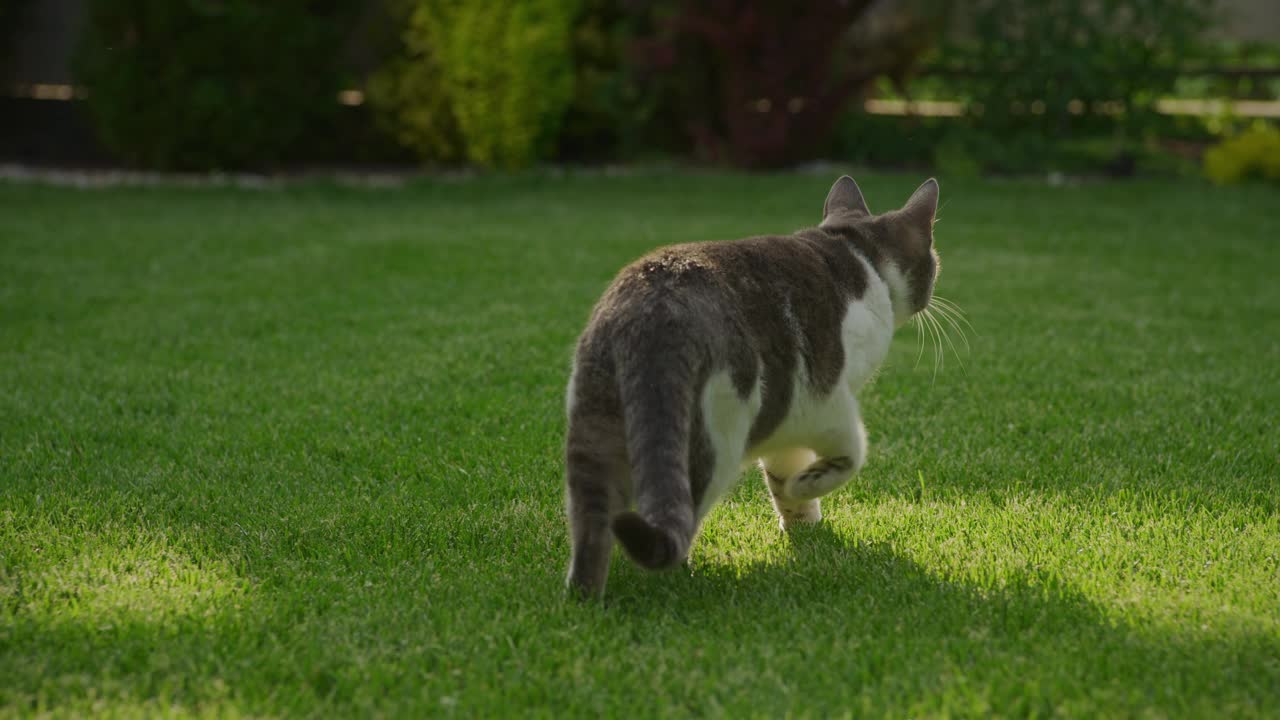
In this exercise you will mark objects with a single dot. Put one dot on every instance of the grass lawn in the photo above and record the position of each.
(298, 452)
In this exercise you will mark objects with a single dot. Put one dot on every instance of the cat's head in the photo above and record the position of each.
(900, 242)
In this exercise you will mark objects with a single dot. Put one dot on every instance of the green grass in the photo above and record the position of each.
(298, 452)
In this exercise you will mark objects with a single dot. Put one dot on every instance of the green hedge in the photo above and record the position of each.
(488, 82)
(1059, 66)
(234, 84)
(196, 84)
(10, 11)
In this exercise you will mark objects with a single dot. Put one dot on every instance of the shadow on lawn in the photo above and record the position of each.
(836, 624)
(860, 624)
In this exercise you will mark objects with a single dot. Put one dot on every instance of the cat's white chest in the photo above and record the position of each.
(866, 333)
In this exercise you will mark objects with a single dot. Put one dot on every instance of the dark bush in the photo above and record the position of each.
(1063, 66)
(761, 83)
(214, 84)
(609, 115)
(889, 141)
(10, 13)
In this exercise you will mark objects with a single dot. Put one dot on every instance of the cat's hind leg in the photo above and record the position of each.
(597, 480)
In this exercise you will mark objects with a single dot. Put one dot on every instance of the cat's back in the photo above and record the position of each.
(729, 303)
(719, 279)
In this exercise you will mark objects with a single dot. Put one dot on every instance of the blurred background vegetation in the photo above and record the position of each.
(1114, 87)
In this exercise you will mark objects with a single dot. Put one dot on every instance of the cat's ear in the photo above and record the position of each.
(922, 206)
(844, 196)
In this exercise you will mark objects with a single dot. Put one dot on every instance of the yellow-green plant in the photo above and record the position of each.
(410, 94)
(1252, 153)
(488, 81)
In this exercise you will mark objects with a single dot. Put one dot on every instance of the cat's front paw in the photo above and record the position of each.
(820, 478)
(791, 511)
(801, 513)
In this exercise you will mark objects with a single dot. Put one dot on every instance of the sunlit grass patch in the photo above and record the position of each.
(110, 621)
(122, 578)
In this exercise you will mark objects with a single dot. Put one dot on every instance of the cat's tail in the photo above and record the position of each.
(657, 403)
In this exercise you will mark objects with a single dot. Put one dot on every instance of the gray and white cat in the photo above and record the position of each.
(703, 356)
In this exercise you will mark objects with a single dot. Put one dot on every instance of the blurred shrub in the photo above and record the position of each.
(1203, 75)
(488, 81)
(409, 93)
(1048, 85)
(954, 158)
(509, 74)
(10, 13)
(609, 115)
(761, 83)
(1253, 153)
(1059, 65)
(194, 84)
(954, 148)
(889, 141)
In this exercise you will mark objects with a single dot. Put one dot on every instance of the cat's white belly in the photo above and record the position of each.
(823, 423)
(813, 423)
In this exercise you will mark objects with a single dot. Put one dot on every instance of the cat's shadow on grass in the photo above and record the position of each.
(877, 617)
(824, 569)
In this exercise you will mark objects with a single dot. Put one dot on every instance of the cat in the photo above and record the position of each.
(701, 357)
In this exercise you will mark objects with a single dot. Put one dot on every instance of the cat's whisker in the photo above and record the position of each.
(946, 340)
(959, 312)
(915, 320)
(936, 298)
(938, 301)
(949, 312)
(955, 351)
(957, 321)
(928, 331)
(947, 303)
(942, 350)
(935, 340)
(947, 316)
(952, 310)
(944, 311)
